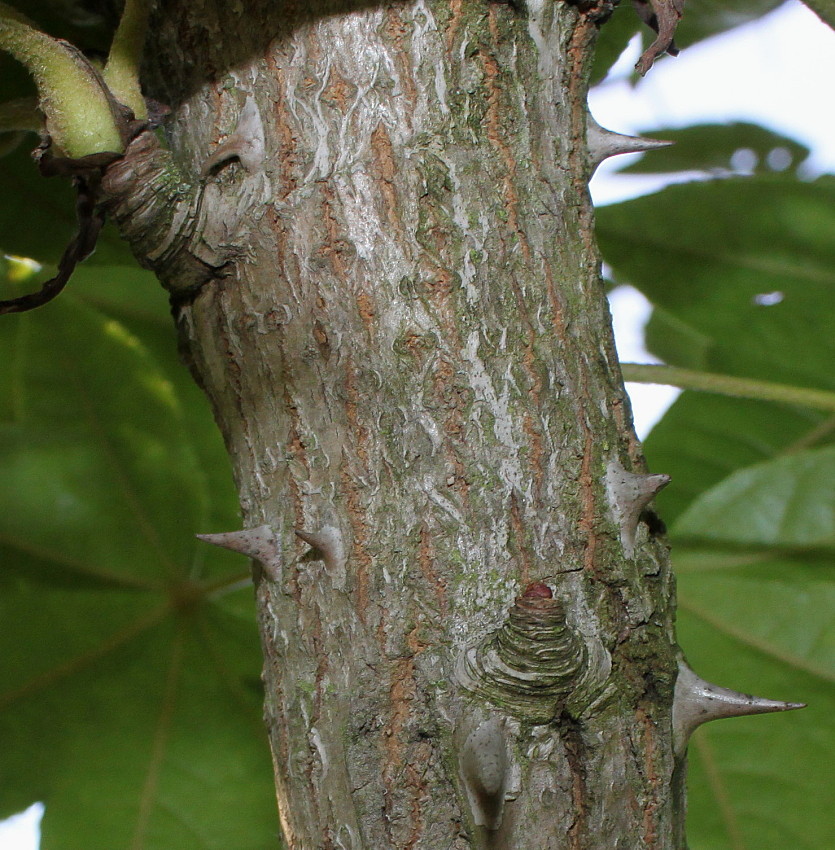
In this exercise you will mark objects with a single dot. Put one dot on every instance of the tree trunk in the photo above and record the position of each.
(387, 284)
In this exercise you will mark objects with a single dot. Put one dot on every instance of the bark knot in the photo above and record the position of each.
(536, 666)
(163, 216)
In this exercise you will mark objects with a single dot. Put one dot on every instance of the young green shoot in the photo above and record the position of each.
(77, 106)
(121, 73)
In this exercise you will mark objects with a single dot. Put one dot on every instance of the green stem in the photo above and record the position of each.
(121, 73)
(707, 382)
(72, 97)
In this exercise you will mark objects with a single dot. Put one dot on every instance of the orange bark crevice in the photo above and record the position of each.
(648, 732)
(537, 454)
(579, 794)
(495, 134)
(517, 526)
(426, 562)
(385, 169)
(397, 33)
(400, 777)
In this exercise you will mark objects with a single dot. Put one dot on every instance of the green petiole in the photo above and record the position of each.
(121, 73)
(72, 96)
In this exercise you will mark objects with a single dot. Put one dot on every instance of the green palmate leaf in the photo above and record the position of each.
(764, 627)
(787, 502)
(757, 781)
(742, 284)
(709, 147)
(129, 694)
(776, 604)
(760, 621)
(745, 268)
(681, 343)
(132, 723)
(825, 10)
(740, 273)
(134, 297)
(96, 434)
(704, 438)
(704, 18)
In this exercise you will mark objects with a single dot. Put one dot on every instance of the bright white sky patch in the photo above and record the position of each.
(630, 312)
(22, 832)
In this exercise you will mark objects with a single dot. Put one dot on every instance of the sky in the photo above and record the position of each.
(778, 72)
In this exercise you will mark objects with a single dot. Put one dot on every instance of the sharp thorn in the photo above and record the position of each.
(602, 143)
(696, 701)
(246, 144)
(258, 543)
(629, 493)
(327, 543)
(312, 538)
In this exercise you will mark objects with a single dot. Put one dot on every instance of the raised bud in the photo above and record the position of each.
(485, 770)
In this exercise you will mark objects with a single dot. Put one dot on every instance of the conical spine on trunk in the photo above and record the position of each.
(259, 543)
(602, 143)
(245, 144)
(328, 545)
(696, 701)
(485, 770)
(629, 493)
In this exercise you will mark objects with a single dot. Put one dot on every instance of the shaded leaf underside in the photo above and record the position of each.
(130, 692)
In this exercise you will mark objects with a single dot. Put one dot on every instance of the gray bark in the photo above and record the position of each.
(388, 287)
